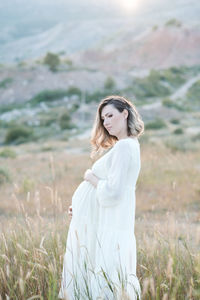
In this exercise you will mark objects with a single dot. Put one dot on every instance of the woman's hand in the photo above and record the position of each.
(89, 176)
(70, 210)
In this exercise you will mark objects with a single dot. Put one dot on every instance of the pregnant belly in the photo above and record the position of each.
(84, 204)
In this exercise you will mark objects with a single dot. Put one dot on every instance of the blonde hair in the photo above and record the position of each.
(100, 138)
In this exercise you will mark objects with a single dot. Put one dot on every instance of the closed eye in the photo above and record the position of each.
(109, 116)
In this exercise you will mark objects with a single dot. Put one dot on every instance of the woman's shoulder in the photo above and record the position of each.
(126, 142)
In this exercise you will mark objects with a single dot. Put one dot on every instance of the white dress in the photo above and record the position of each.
(100, 257)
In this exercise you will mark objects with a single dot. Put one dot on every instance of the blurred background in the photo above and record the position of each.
(58, 59)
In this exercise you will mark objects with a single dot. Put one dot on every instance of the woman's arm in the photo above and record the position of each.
(111, 189)
(89, 176)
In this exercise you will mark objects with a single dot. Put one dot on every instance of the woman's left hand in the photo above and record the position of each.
(89, 176)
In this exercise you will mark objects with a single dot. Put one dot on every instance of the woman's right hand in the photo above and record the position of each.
(70, 210)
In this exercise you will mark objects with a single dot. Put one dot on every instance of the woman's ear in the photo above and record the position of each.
(125, 112)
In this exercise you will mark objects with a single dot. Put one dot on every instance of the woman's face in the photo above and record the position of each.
(114, 121)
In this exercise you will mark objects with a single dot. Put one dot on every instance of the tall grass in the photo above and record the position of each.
(32, 252)
(34, 230)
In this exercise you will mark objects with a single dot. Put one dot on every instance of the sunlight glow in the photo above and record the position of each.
(129, 5)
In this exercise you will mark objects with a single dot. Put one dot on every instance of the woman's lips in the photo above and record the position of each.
(108, 128)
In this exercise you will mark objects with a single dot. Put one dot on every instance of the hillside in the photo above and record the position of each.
(149, 37)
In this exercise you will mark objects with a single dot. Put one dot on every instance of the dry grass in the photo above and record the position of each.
(34, 220)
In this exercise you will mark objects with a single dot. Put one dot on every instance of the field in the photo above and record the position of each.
(37, 183)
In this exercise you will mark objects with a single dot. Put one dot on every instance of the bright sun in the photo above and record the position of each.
(129, 5)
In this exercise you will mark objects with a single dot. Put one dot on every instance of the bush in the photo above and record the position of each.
(4, 176)
(173, 76)
(52, 95)
(156, 124)
(4, 83)
(150, 86)
(73, 90)
(173, 22)
(178, 131)
(18, 135)
(8, 107)
(193, 94)
(48, 96)
(96, 96)
(52, 60)
(8, 153)
(196, 137)
(68, 62)
(175, 121)
(109, 83)
(171, 104)
(65, 121)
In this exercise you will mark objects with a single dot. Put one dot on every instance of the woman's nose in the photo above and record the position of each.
(106, 122)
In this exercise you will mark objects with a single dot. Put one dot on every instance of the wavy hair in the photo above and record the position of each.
(100, 138)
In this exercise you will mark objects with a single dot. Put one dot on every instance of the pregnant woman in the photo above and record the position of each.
(100, 257)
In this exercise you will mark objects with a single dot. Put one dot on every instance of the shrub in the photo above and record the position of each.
(68, 62)
(178, 131)
(4, 83)
(10, 106)
(96, 95)
(171, 104)
(52, 60)
(73, 90)
(150, 86)
(173, 76)
(4, 176)
(8, 153)
(194, 92)
(196, 137)
(27, 185)
(18, 135)
(65, 121)
(48, 96)
(156, 124)
(155, 27)
(109, 83)
(175, 121)
(173, 22)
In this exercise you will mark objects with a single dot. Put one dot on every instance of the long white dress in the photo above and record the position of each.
(100, 257)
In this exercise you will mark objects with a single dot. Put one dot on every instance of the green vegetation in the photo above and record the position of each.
(73, 90)
(27, 185)
(65, 121)
(175, 121)
(178, 131)
(196, 137)
(4, 176)
(180, 143)
(52, 95)
(156, 124)
(52, 60)
(9, 107)
(109, 84)
(96, 96)
(8, 153)
(48, 96)
(158, 83)
(172, 104)
(193, 95)
(19, 134)
(173, 76)
(173, 22)
(5, 82)
(68, 62)
(149, 87)
(155, 27)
